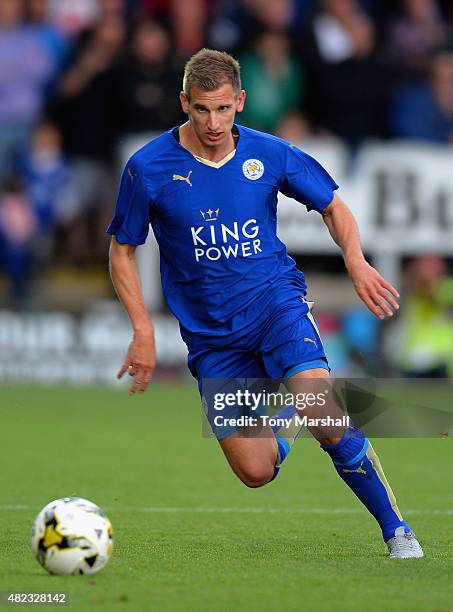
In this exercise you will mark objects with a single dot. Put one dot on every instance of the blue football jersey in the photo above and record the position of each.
(221, 261)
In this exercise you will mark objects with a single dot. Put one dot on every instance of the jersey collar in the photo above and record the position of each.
(174, 134)
(218, 164)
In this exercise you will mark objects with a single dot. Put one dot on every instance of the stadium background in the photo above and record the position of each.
(367, 87)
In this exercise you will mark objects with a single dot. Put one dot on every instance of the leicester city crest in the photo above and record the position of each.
(253, 169)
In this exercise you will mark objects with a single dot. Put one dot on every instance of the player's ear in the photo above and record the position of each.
(184, 101)
(240, 101)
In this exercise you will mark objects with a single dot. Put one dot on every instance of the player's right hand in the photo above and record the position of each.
(140, 362)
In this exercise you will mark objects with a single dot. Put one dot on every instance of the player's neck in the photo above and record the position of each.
(190, 141)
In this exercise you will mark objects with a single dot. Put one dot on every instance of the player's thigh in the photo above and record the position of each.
(313, 373)
(251, 452)
(222, 373)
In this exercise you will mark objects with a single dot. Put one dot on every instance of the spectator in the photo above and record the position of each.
(236, 22)
(48, 180)
(71, 17)
(111, 9)
(189, 21)
(25, 68)
(57, 46)
(226, 25)
(146, 82)
(272, 79)
(447, 10)
(412, 36)
(425, 111)
(84, 99)
(84, 111)
(294, 127)
(276, 15)
(343, 32)
(18, 228)
(429, 302)
(348, 89)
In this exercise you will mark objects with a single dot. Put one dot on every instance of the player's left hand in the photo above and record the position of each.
(378, 295)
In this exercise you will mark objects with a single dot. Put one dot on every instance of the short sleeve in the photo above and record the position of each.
(130, 225)
(306, 180)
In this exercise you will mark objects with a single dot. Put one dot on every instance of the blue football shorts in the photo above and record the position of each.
(287, 343)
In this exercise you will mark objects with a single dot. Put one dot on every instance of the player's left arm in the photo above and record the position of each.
(378, 295)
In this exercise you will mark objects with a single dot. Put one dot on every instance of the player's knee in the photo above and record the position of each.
(256, 476)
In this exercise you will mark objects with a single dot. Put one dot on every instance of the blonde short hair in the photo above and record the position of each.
(209, 69)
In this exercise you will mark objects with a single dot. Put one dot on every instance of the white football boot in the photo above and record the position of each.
(404, 545)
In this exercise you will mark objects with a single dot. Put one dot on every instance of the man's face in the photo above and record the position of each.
(11, 12)
(211, 113)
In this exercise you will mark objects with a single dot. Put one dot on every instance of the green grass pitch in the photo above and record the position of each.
(189, 535)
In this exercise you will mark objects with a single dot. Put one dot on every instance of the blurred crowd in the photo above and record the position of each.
(416, 344)
(78, 77)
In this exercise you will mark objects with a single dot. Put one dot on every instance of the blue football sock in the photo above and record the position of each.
(286, 424)
(283, 448)
(284, 434)
(359, 466)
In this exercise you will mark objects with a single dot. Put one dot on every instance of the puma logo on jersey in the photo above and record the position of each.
(130, 173)
(178, 177)
(359, 470)
(310, 340)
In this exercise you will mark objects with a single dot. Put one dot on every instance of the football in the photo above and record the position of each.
(72, 536)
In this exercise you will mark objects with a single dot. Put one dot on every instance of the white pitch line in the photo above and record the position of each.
(204, 509)
(16, 507)
(242, 510)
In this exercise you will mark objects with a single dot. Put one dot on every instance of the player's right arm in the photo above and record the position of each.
(129, 228)
(140, 360)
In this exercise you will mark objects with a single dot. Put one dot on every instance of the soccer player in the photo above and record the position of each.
(209, 189)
